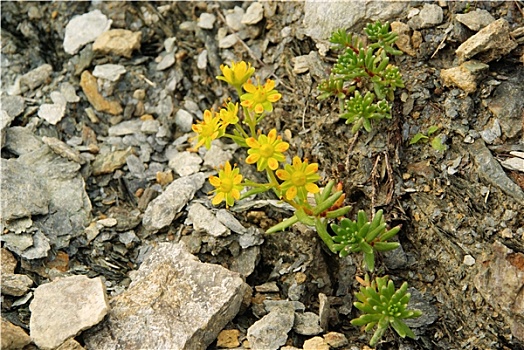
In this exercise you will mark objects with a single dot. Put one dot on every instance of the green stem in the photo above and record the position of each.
(324, 235)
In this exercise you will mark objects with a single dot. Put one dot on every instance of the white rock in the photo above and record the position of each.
(111, 72)
(173, 302)
(169, 44)
(202, 60)
(69, 92)
(167, 61)
(206, 20)
(185, 163)
(228, 41)
(84, 29)
(52, 113)
(321, 18)
(184, 120)
(469, 260)
(216, 155)
(430, 16)
(63, 308)
(254, 13)
(475, 20)
(234, 18)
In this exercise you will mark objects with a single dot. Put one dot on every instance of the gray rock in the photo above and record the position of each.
(202, 60)
(5, 121)
(21, 140)
(490, 171)
(15, 284)
(395, 259)
(253, 236)
(69, 205)
(63, 149)
(234, 18)
(229, 220)
(106, 163)
(419, 302)
(254, 13)
(324, 310)
(475, 20)
(169, 44)
(270, 332)
(268, 287)
(185, 163)
(63, 308)
(206, 20)
(307, 323)
(507, 105)
(126, 127)
(161, 211)
(13, 337)
(69, 92)
(216, 156)
(491, 132)
(84, 29)
(167, 61)
(430, 16)
(135, 166)
(22, 196)
(490, 43)
(296, 291)
(246, 261)
(36, 77)
(500, 282)
(181, 304)
(13, 105)
(229, 40)
(322, 18)
(514, 163)
(204, 220)
(150, 126)
(269, 305)
(111, 72)
(17, 242)
(184, 120)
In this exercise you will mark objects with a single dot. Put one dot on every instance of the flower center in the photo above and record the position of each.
(266, 150)
(226, 185)
(298, 178)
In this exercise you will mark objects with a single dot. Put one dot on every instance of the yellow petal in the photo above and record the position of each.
(252, 159)
(251, 142)
(291, 193)
(296, 162)
(218, 198)
(272, 136)
(272, 163)
(311, 168)
(312, 188)
(281, 147)
(270, 85)
(273, 97)
(283, 175)
(235, 194)
(259, 109)
(215, 181)
(249, 87)
(227, 167)
(237, 179)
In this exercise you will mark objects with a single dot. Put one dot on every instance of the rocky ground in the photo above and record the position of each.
(109, 238)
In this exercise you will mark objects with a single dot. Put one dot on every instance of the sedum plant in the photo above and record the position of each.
(383, 306)
(362, 79)
(363, 236)
(294, 183)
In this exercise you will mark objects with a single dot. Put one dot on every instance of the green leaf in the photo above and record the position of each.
(402, 329)
(365, 319)
(369, 260)
(304, 218)
(378, 334)
(432, 129)
(417, 138)
(385, 246)
(283, 225)
(389, 234)
(437, 144)
(333, 214)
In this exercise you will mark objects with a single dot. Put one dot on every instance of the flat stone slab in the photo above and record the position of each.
(63, 308)
(174, 302)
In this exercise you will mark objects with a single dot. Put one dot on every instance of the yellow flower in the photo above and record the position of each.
(260, 98)
(299, 178)
(227, 185)
(267, 151)
(237, 74)
(229, 115)
(207, 130)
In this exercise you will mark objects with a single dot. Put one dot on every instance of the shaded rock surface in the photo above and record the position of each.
(183, 303)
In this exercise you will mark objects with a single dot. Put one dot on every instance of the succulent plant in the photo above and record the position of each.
(366, 68)
(363, 236)
(383, 306)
